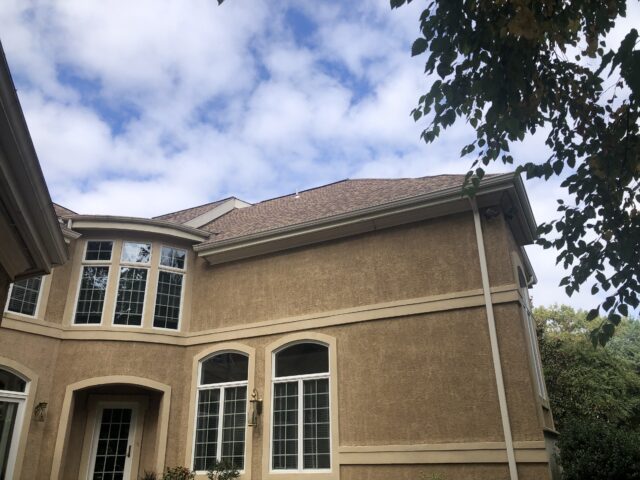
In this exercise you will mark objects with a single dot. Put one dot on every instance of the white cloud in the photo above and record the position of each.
(140, 108)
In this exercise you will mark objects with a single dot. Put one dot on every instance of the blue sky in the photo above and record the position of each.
(146, 107)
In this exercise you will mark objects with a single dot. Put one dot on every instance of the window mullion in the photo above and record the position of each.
(300, 424)
(220, 425)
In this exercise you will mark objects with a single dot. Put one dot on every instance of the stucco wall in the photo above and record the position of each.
(427, 258)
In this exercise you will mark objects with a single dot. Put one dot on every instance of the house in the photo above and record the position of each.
(366, 329)
(31, 240)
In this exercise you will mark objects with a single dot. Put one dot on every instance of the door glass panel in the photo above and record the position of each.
(113, 439)
(8, 411)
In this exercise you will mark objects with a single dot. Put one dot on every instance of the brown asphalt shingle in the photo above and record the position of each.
(183, 216)
(322, 202)
(62, 211)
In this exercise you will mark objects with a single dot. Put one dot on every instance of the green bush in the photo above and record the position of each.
(178, 473)
(223, 471)
(597, 450)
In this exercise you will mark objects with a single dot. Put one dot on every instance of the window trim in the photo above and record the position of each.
(36, 313)
(267, 420)
(227, 347)
(222, 386)
(104, 302)
(26, 401)
(84, 260)
(146, 267)
(164, 268)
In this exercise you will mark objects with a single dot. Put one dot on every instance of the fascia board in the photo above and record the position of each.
(24, 191)
(218, 211)
(105, 222)
(430, 205)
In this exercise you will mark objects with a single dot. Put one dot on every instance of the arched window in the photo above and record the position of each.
(13, 393)
(301, 412)
(221, 415)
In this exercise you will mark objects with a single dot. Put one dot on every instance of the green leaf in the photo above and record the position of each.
(419, 46)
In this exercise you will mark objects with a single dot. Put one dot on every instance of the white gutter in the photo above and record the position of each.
(493, 337)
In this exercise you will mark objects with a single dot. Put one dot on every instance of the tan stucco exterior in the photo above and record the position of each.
(401, 309)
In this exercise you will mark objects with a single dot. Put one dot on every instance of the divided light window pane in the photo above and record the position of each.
(91, 296)
(24, 296)
(130, 299)
(207, 424)
(134, 252)
(167, 310)
(99, 250)
(285, 426)
(173, 257)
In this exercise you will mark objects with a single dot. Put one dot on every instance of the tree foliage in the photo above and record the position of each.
(511, 68)
(594, 394)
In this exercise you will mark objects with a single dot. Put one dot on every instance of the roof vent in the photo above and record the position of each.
(297, 195)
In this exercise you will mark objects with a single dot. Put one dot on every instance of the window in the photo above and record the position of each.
(24, 296)
(134, 252)
(301, 429)
(130, 299)
(13, 393)
(169, 292)
(93, 283)
(221, 414)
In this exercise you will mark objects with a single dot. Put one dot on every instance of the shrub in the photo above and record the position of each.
(149, 476)
(178, 473)
(597, 450)
(223, 470)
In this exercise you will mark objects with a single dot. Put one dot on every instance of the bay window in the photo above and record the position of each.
(93, 282)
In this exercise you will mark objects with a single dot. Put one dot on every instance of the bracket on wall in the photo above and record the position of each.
(256, 402)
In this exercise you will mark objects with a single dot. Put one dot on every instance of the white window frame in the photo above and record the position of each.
(43, 278)
(141, 266)
(181, 271)
(300, 379)
(93, 263)
(21, 399)
(222, 386)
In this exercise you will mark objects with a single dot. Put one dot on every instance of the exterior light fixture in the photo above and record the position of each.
(256, 403)
(40, 412)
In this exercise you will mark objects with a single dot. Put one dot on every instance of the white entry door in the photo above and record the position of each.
(113, 440)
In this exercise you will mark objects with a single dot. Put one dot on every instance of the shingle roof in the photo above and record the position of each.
(322, 202)
(182, 216)
(62, 211)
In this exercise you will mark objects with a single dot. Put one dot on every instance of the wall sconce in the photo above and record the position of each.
(40, 412)
(257, 408)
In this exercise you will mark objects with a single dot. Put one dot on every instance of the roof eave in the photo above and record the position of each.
(421, 207)
(135, 224)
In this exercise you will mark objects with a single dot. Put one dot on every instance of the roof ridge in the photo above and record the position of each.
(195, 206)
(301, 191)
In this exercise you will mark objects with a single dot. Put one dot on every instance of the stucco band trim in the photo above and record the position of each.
(64, 426)
(450, 453)
(380, 311)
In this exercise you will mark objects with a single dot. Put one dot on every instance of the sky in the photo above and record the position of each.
(148, 107)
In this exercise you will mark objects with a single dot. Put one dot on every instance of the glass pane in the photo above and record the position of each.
(233, 425)
(8, 411)
(24, 296)
(316, 431)
(207, 422)
(173, 257)
(130, 299)
(99, 250)
(285, 426)
(226, 367)
(302, 359)
(111, 451)
(11, 382)
(167, 311)
(133, 252)
(91, 296)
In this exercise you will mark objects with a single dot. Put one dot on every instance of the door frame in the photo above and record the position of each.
(20, 400)
(96, 404)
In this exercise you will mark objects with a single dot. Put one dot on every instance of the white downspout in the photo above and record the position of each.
(493, 337)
